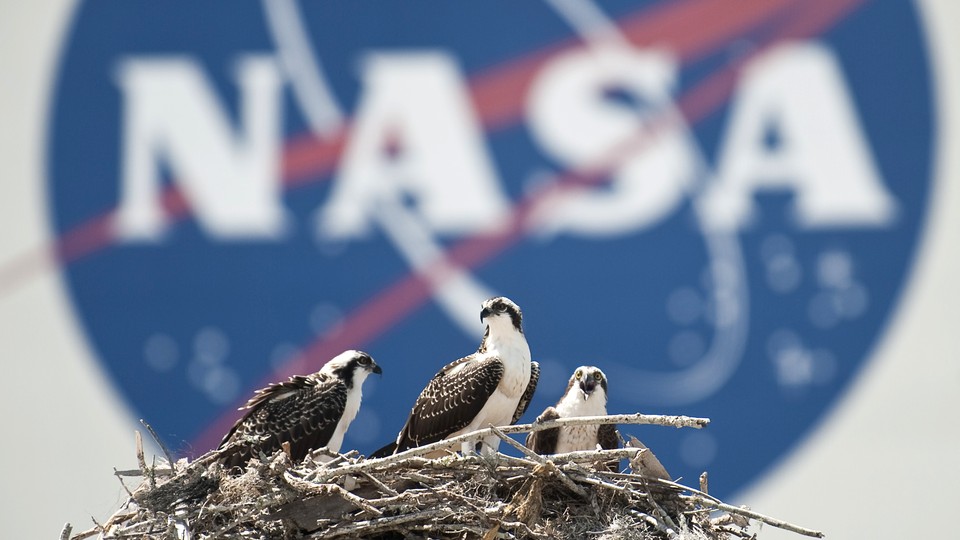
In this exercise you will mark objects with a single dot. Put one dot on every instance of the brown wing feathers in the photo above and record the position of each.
(544, 442)
(527, 396)
(303, 411)
(451, 400)
(608, 437)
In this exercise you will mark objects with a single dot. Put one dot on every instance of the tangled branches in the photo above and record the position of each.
(407, 495)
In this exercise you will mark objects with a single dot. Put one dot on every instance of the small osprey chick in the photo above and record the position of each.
(586, 395)
(491, 386)
(309, 411)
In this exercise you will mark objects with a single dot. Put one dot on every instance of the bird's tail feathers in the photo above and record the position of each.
(387, 450)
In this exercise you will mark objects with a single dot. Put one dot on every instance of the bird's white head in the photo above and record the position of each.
(501, 313)
(588, 383)
(352, 367)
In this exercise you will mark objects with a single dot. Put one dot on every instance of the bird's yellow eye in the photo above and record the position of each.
(596, 375)
(364, 360)
(578, 374)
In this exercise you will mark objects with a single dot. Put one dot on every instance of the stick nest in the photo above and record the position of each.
(572, 495)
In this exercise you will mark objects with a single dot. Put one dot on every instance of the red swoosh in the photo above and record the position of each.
(688, 28)
(497, 93)
(396, 301)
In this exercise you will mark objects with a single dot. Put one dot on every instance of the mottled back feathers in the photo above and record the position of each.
(303, 411)
(493, 385)
(308, 412)
(450, 400)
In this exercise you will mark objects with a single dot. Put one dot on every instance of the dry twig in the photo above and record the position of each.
(163, 447)
(408, 495)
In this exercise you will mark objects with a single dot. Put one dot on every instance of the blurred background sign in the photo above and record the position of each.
(718, 203)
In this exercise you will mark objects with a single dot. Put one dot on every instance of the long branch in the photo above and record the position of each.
(713, 502)
(448, 472)
(773, 522)
(650, 419)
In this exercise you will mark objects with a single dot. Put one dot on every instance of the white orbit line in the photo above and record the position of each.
(310, 88)
(456, 291)
(730, 294)
(592, 24)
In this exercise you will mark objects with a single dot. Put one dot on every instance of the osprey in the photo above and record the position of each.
(309, 411)
(491, 386)
(586, 395)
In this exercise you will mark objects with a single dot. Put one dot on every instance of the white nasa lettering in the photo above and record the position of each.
(799, 90)
(419, 102)
(172, 115)
(575, 122)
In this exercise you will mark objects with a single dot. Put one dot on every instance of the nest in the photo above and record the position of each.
(573, 495)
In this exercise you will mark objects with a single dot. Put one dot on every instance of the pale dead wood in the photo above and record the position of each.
(310, 487)
(137, 472)
(594, 455)
(637, 418)
(662, 514)
(660, 526)
(547, 465)
(120, 479)
(380, 485)
(563, 496)
(382, 524)
(710, 501)
(746, 512)
(163, 447)
(141, 462)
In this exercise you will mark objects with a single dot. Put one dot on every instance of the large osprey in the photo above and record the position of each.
(491, 386)
(309, 411)
(586, 395)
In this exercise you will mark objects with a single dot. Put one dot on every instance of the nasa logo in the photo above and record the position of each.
(722, 218)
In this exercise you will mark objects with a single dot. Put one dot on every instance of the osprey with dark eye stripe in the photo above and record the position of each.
(309, 411)
(491, 386)
(586, 395)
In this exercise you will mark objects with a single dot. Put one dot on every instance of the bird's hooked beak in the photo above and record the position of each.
(484, 313)
(376, 369)
(587, 386)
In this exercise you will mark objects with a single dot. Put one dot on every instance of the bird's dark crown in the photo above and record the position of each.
(500, 305)
(344, 366)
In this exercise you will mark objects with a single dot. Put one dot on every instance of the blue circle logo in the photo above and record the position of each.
(717, 207)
